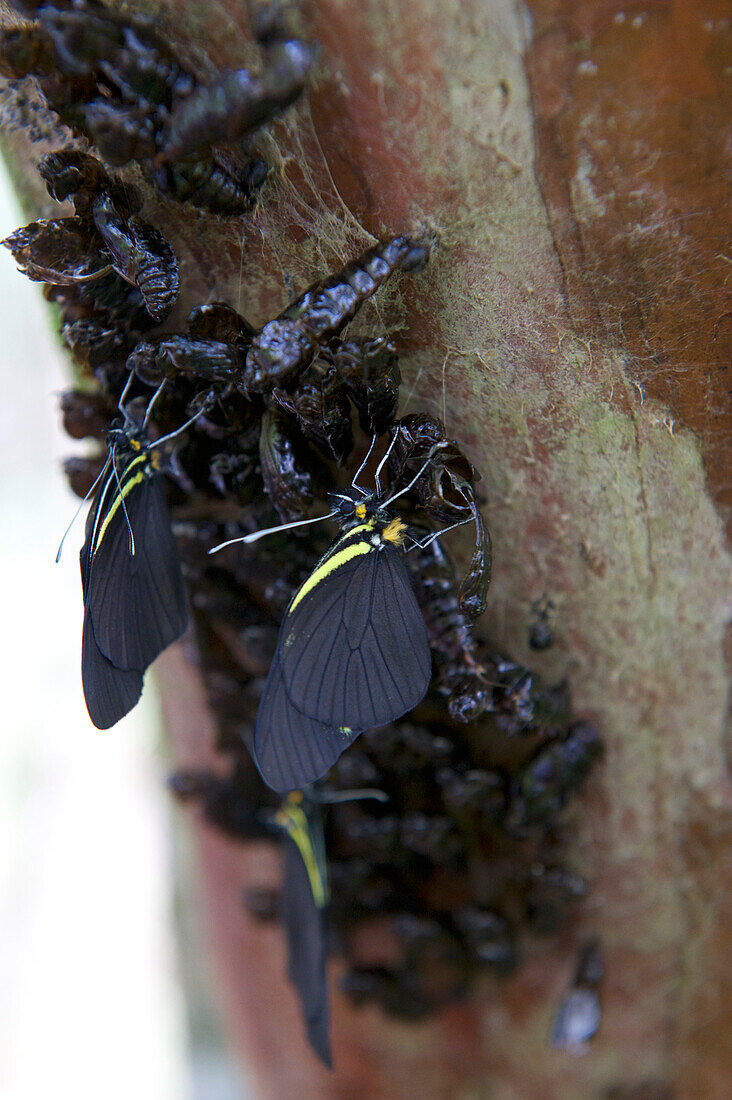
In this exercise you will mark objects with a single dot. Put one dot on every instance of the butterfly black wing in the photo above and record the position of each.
(305, 929)
(291, 749)
(354, 650)
(136, 602)
(110, 692)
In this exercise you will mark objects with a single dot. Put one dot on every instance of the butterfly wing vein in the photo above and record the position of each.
(355, 651)
(353, 654)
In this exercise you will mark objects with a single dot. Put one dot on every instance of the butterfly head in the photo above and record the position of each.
(352, 507)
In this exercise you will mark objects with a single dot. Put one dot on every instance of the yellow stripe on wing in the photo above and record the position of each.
(293, 819)
(138, 471)
(335, 560)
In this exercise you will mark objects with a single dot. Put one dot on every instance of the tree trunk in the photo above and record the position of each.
(573, 330)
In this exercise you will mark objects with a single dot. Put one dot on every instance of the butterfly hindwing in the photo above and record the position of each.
(110, 692)
(354, 650)
(291, 749)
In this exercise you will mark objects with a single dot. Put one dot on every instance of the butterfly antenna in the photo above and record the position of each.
(417, 476)
(255, 535)
(362, 467)
(124, 506)
(380, 467)
(178, 431)
(153, 399)
(123, 395)
(89, 492)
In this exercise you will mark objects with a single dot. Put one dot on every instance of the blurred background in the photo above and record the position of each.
(93, 996)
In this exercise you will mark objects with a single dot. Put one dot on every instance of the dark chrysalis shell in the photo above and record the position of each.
(489, 937)
(473, 591)
(550, 888)
(24, 50)
(287, 345)
(60, 251)
(69, 173)
(94, 343)
(541, 631)
(213, 183)
(320, 407)
(218, 321)
(287, 480)
(222, 803)
(417, 437)
(141, 255)
(85, 416)
(81, 473)
(543, 786)
(237, 103)
(169, 356)
(473, 789)
(461, 674)
(121, 134)
(446, 491)
(370, 369)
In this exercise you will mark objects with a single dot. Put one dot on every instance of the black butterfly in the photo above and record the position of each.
(352, 653)
(134, 600)
(302, 909)
(353, 650)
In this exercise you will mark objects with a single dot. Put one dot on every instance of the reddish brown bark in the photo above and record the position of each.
(631, 124)
(574, 172)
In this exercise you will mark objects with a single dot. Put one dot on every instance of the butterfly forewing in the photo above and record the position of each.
(291, 749)
(354, 650)
(136, 602)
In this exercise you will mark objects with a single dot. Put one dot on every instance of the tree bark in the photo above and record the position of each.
(573, 330)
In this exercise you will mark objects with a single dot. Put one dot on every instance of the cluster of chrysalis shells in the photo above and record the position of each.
(463, 855)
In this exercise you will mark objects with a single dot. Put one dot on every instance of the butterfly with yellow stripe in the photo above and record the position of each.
(134, 600)
(352, 652)
(303, 903)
